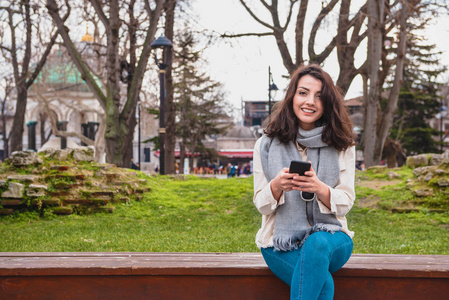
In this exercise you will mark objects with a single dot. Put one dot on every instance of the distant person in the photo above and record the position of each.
(133, 165)
(231, 170)
(247, 169)
(304, 236)
(359, 160)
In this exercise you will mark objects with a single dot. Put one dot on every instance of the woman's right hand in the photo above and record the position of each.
(283, 182)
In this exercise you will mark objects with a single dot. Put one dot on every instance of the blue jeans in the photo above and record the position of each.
(308, 270)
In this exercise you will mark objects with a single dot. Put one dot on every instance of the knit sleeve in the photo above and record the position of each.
(263, 199)
(343, 194)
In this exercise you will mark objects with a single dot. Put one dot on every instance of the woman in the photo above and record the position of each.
(304, 240)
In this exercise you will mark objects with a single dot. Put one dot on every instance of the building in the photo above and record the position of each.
(255, 112)
(59, 93)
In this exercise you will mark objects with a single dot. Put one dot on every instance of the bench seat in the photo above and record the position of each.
(135, 275)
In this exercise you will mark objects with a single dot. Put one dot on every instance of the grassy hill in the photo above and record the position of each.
(191, 214)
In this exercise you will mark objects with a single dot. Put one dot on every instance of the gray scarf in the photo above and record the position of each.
(298, 218)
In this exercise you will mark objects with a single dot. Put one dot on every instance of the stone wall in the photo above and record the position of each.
(65, 181)
(432, 174)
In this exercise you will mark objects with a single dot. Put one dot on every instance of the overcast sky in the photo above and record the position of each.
(242, 64)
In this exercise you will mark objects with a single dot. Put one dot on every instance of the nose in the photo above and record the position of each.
(310, 99)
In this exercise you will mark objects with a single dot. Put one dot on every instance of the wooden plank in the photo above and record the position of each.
(145, 287)
(208, 276)
(207, 263)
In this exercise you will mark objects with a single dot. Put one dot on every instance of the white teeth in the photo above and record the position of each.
(308, 110)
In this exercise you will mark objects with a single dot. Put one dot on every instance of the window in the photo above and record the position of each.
(146, 154)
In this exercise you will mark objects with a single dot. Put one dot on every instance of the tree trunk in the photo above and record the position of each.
(299, 32)
(375, 24)
(390, 110)
(182, 157)
(20, 78)
(346, 49)
(120, 119)
(170, 138)
(17, 129)
(4, 132)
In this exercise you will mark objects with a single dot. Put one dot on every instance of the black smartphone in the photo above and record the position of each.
(299, 167)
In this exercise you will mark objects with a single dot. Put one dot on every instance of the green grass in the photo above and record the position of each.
(380, 231)
(192, 215)
(211, 215)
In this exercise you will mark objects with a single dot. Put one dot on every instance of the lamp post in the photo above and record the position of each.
(162, 53)
(138, 136)
(271, 87)
(442, 114)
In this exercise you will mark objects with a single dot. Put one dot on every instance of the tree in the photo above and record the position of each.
(383, 18)
(122, 29)
(59, 90)
(22, 18)
(418, 99)
(7, 89)
(170, 133)
(345, 45)
(199, 100)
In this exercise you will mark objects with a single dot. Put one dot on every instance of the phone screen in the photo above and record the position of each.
(299, 167)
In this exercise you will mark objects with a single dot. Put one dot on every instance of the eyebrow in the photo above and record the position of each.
(303, 87)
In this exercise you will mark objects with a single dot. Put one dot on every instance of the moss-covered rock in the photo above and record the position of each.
(432, 178)
(417, 161)
(67, 180)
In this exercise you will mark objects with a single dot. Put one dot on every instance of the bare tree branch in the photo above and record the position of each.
(53, 9)
(316, 25)
(254, 15)
(54, 127)
(99, 10)
(237, 35)
(299, 31)
(43, 59)
(289, 15)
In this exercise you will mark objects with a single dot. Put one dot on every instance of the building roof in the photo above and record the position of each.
(239, 132)
(357, 101)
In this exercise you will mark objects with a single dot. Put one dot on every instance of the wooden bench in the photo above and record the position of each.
(208, 276)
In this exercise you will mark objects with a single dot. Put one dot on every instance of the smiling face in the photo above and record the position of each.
(307, 104)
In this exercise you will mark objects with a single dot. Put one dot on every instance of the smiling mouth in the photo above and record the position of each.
(307, 110)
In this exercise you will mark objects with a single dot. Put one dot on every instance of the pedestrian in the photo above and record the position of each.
(305, 239)
(133, 165)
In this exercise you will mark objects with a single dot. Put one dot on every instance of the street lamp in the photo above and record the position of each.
(162, 53)
(271, 87)
(138, 136)
(441, 115)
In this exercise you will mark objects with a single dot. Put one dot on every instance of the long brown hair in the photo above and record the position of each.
(337, 130)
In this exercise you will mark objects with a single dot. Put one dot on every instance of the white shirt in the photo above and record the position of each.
(342, 196)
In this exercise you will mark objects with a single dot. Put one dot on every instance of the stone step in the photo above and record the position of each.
(59, 193)
(73, 177)
(124, 182)
(66, 186)
(11, 202)
(92, 201)
(47, 202)
(6, 211)
(63, 210)
(60, 168)
(107, 166)
(108, 193)
(23, 178)
(112, 176)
